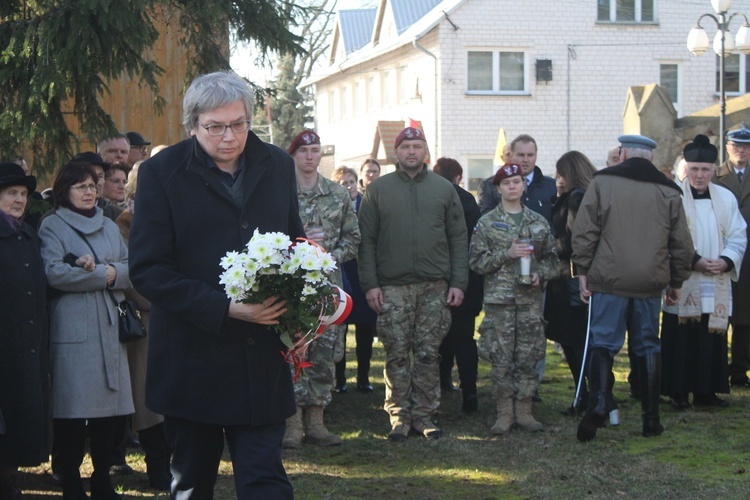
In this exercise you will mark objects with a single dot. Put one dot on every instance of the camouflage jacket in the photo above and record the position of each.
(488, 255)
(329, 206)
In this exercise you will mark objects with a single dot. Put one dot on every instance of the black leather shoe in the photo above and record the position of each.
(364, 388)
(680, 402)
(341, 389)
(740, 382)
(448, 387)
(709, 400)
(470, 404)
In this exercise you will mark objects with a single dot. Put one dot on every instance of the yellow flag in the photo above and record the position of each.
(498, 161)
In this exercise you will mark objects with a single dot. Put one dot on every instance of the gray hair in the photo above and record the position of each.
(648, 154)
(102, 143)
(213, 91)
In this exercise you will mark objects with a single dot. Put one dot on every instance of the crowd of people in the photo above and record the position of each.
(579, 260)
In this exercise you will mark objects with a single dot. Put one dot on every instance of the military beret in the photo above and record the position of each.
(304, 138)
(700, 150)
(637, 141)
(507, 170)
(409, 134)
(741, 135)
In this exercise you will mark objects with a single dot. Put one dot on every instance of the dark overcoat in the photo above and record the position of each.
(726, 177)
(24, 363)
(203, 366)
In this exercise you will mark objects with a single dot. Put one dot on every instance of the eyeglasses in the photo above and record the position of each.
(117, 182)
(217, 129)
(740, 145)
(142, 149)
(83, 188)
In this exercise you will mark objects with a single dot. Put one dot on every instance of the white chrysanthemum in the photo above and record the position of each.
(279, 241)
(235, 275)
(309, 290)
(287, 268)
(229, 259)
(314, 276)
(235, 292)
(327, 263)
(310, 263)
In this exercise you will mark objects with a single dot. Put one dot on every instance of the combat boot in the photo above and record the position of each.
(524, 418)
(315, 431)
(425, 427)
(504, 417)
(294, 431)
(649, 371)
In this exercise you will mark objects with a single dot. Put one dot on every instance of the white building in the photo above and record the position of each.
(557, 70)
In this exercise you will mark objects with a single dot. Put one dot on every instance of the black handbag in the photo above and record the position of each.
(129, 322)
(131, 325)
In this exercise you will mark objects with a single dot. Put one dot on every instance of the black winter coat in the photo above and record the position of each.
(24, 358)
(203, 366)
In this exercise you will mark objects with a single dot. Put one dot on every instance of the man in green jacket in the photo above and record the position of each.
(413, 265)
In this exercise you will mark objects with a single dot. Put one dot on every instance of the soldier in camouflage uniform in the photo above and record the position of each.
(412, 266)
(512, 333)
(327, 213)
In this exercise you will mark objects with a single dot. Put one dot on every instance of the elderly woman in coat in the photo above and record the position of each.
(85, 258)
(23, 335)
(149, 425)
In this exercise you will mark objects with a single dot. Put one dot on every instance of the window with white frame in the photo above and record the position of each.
(346, 99)
(387, 95)
(403, 84)
(625, 11)
(497, 72)
(669, 80)
(736, 74)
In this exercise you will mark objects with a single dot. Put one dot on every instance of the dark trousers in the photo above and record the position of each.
(740, 353)
(70, 436)
(459, 344)
(255, 452)
(364, 333)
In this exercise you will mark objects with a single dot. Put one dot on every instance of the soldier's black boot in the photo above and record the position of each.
(600, 367)
(649, 371)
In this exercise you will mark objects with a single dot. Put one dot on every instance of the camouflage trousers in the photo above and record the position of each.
(313, 388)
(512, 339)
(412, 323)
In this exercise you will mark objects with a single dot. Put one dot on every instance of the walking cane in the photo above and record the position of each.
(614, 415)
(585, 357)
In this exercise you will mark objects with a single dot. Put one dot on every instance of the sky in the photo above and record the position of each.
(242, 56)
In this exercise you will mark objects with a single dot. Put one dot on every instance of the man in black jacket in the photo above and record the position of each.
(214, 368)
(539, 190)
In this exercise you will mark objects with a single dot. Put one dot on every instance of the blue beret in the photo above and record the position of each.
(636, 141)
(739, 135)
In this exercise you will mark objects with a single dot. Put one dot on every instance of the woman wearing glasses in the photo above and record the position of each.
(85, 258)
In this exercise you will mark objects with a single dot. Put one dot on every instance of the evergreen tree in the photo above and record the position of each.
(56, 57)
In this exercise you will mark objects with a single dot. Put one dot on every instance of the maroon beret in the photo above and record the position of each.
(304, 138)
(507, 170)
(409, 134)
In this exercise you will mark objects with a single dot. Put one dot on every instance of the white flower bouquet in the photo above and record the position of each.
(296, 272)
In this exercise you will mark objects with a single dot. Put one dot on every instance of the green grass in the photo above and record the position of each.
(702, 453)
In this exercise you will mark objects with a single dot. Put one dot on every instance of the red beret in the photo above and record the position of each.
(304, 138)
(409, 134)
(507, 170)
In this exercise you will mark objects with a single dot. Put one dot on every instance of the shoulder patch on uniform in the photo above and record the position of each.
(501, 225)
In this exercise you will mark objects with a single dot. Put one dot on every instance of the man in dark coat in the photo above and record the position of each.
(731, 175)
(214, 368)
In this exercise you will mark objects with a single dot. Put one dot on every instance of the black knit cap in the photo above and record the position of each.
(700, 150)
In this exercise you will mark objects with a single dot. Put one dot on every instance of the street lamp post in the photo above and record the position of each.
(697, 43)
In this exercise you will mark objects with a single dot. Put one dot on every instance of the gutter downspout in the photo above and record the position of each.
(416, 45)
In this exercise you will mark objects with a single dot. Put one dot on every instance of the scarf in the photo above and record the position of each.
(14, 224)
(689, 308)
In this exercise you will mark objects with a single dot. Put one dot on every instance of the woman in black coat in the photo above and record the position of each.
(24, 365)
(566, 315)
